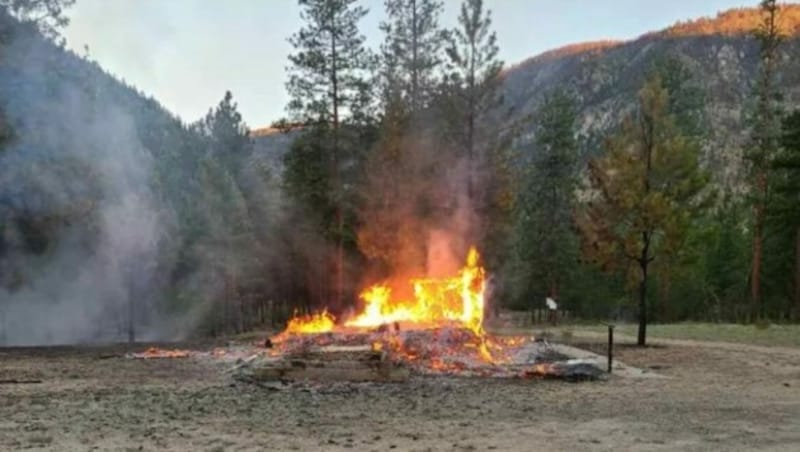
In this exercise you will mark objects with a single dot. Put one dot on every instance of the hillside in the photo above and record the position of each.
(271, 144)
(91, 175)
(720, 53)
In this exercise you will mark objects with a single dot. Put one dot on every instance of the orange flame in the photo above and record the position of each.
(320, 322)
(437, 301)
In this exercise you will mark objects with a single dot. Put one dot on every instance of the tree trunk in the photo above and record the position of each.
(641, 337)
(471, 117)
(337, 189)
(415, 107)
(131, 322)
(770, 41)
(664, 287)
(796, 314)
(553, 287)
(644, 262)
(758, 239)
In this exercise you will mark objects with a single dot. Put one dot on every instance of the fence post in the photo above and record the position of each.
(610, 346)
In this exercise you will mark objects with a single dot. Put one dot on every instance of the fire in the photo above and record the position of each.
(321, 322)
(437, 302)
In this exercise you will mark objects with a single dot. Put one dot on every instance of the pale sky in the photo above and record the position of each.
(186, 53)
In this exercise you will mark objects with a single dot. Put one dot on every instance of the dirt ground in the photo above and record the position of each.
(711, 398)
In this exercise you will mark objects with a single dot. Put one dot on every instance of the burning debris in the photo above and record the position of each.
(165, 353)
(437, 302)
(159, 353)
(331, 363)
(437, 332)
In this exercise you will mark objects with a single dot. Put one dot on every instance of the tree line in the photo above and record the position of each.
(638, 226)
(397, 146)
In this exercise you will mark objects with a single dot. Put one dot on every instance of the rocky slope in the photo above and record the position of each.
(721, 54)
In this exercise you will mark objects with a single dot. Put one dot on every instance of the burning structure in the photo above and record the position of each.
(438, 330)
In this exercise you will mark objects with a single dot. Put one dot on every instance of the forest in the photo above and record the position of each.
(120, 220)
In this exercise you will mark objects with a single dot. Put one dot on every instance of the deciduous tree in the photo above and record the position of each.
(644, 191)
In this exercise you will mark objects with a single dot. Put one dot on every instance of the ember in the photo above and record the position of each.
(155, 352)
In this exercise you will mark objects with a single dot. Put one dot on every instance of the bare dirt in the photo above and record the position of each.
(712, 398)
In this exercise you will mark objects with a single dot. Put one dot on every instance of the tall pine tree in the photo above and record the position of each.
(546, 244)
(765, 134)
(413, 48)
(229, 242)
(785, 213)
(329, 91)
(473, 85)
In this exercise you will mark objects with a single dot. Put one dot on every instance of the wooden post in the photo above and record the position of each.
(610, 346)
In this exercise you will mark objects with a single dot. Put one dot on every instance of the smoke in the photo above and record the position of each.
(81, 226)
(420, 219)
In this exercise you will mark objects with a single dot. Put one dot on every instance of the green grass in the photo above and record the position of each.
(774, 335)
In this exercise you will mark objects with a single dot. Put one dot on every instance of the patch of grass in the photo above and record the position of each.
(769, 335)
(762, 324)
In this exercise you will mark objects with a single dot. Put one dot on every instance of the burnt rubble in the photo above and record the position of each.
(392, 356)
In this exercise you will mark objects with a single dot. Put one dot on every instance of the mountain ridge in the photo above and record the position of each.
(731, 22)
(720, 52)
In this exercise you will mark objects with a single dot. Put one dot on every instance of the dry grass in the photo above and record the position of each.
(773, 335)
(710, 399)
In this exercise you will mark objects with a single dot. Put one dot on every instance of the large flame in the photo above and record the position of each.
(436, 302)
(320, 322)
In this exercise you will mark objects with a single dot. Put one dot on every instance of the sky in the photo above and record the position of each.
(187, 53)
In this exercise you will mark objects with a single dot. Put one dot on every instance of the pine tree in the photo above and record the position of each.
(399, 168)
(765, 133)
(644, 191)
(47, 15)
(329, 90)
(228, 135)
(229, 242)
(726, 259)
(785, 212)
(685, 105)
(686, 98)
(473, 84)
(413, 49)
(546, 242)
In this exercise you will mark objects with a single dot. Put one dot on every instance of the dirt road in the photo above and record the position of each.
(714, 398)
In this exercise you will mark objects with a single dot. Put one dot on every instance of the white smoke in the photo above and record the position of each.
(72, 157)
